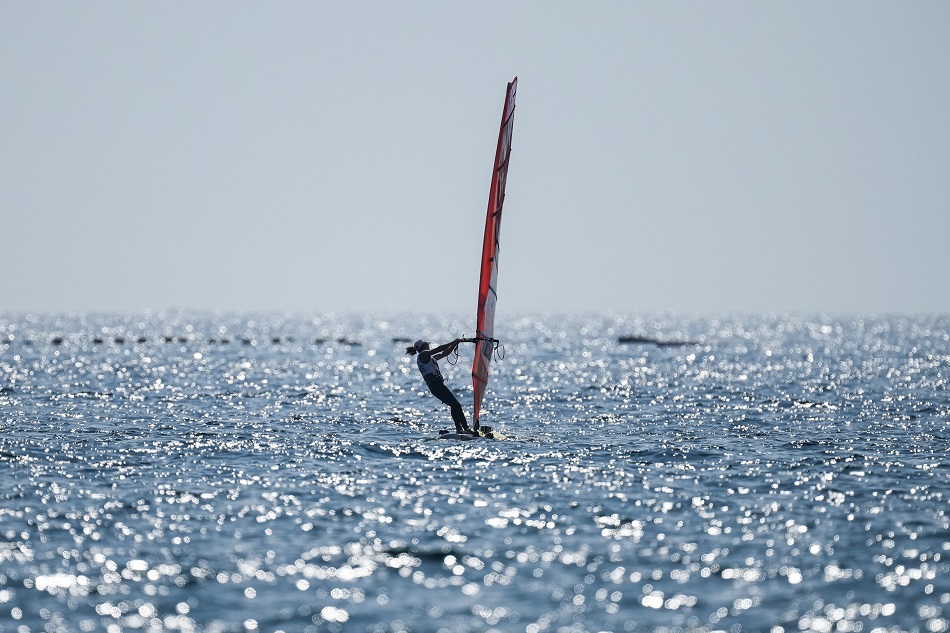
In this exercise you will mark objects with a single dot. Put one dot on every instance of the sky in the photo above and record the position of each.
(684, 157)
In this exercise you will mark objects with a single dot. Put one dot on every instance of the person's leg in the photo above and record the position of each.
(458, 416)
(443, 393)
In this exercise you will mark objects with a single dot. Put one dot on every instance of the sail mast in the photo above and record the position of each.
(487, 284)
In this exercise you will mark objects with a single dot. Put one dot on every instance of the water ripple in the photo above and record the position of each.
(273, 472)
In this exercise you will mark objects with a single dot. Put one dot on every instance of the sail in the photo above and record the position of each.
(487, 284)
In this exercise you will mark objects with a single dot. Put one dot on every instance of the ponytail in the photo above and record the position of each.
(411, 350)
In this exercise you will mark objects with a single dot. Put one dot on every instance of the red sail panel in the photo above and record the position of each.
(487, 284)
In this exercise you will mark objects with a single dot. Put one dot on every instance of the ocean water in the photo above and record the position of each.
(266, 472)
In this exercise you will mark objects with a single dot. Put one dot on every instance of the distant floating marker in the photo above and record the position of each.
(652, 341)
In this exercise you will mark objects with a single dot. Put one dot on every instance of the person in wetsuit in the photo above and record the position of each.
(429, 367)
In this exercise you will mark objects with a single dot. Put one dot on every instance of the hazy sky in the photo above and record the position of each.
(316, 156)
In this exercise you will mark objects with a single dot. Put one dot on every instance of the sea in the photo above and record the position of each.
(219, 472)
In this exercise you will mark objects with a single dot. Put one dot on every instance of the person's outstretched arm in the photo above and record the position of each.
(442, 351)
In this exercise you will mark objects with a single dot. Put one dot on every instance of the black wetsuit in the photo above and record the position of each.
(435, 382)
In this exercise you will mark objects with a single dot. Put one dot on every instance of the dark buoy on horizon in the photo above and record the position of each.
(644, 340)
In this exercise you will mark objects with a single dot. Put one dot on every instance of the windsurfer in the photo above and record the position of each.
(429, 367)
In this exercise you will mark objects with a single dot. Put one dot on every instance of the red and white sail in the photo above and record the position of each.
(487, 284)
